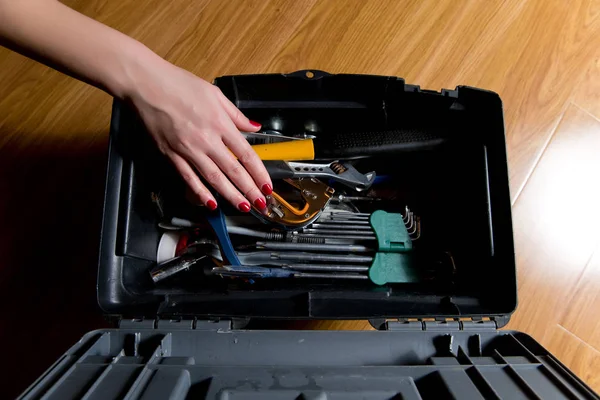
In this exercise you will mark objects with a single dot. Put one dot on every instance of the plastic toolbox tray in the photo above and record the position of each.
(435, 340)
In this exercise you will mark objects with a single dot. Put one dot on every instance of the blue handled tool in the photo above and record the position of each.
(216, 219)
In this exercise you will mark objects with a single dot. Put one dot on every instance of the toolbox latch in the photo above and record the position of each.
(442, 324)
(137, 323)
(223, 325)
(479, 325)
(177, 324)
(404, 325)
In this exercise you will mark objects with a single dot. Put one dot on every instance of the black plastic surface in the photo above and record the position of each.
(349, 145)
(184, 363)
(459, 187)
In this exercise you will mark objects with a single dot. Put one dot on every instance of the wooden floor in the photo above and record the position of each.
(541, 56)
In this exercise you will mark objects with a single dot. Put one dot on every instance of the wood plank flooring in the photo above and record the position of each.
(542, 57)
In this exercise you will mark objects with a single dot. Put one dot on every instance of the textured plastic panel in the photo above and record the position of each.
(224, 364)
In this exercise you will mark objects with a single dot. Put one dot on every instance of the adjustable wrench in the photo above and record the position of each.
(342, 172)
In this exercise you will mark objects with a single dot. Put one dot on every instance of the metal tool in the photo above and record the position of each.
(309, 257)
(341, 219)
(347, 225)
(337, 232)
(306, 236)
(341, 172)
(413, 224)
(173, 266)
(327, 267)
(338, 236)
(267, 137)
(315, 194)
(328, 216)
(314, 275)
(343, 198)
(284, 258)
(324, 218)
(343, 213)
(251, 271)
(341, 248)
(234, 229)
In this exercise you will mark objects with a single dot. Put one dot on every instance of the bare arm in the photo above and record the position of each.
(191, 121)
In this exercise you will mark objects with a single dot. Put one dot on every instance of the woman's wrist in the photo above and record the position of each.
(136, 64)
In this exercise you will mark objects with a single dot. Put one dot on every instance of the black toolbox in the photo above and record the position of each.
(436, 338)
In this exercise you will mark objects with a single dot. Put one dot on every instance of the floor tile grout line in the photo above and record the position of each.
(578, 338)
(585, 111)
(539, 157)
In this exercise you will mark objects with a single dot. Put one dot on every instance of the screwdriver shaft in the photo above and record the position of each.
(325, 267)
(345, 213)
(344, 216)
(340, 235)
(350, 258)
(337, 231)
(350, 226)
(329, 276)
(345, 221)
(342, 248)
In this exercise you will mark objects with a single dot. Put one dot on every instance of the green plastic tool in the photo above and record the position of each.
(392, 236)
(393, 262)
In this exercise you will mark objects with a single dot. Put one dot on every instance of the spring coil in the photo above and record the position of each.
(275, 236)
(305, 239)
(338, 168)
(294, 238)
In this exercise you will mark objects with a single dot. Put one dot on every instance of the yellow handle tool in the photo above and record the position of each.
(295, 150)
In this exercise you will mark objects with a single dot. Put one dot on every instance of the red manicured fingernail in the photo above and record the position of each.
(244, 207)
(255, 124)
(260, 204)
(212, 205)
(267, 189)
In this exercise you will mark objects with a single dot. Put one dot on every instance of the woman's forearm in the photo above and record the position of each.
(77, 45)
(192, 122)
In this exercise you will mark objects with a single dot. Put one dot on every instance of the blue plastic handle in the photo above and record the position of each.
(216, 219)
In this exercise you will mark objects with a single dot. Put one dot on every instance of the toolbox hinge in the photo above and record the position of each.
(179, 324)
(442, 324)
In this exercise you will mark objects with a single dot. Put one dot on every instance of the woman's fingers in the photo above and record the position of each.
(238, 174)
(193, 181)
(250, 160)
(239, 119)
(240, 147)
(215, 176)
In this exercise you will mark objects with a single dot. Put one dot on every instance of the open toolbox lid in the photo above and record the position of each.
(200, 359)
(433, 341)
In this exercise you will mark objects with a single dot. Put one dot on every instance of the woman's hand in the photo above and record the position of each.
(198, 129)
